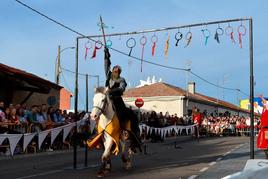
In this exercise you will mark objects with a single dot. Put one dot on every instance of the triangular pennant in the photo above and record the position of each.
(27, 138)
(41, 137)
(140, 127)
(13, 141)
(66, 130)
(54, 133)
(78, 124)
(2, 138)
(187, 130)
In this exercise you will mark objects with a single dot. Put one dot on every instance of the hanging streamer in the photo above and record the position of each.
(143, 41)
(88, 46)
(229, 31)
(219, 32)
(96, 48)
(188, 37)
(154, 39)
(167, 46)
(131, 43)
(206, 34)
(241, 32)
(178, 37)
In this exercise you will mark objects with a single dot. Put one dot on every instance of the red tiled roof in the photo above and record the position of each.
(28, 77)
(163, 89)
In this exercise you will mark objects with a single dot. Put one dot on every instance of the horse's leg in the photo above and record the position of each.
(107, 151)
(105, 159)
(126, 150)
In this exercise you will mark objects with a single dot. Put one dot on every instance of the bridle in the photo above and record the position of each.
(101, 108)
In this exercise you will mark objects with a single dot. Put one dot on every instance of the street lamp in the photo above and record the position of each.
(57, 63)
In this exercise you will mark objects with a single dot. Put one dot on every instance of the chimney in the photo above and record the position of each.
(191, 87)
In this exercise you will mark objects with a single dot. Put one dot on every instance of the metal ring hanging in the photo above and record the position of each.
(154, 39)
(206, 33)
(131, 42)
(143, 40)
(229, 30)
(98, 43)
(178, 36)
(219, 31)
(241, 29)
(109, 43)
(88, 44)
(189, 35)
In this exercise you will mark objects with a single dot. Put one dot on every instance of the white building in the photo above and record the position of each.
(162, 97)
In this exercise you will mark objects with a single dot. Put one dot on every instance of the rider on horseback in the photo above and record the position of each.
(116, 86)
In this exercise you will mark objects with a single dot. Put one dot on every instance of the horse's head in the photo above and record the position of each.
(99, 102)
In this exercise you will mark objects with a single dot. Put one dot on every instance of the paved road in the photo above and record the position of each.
(189, 159)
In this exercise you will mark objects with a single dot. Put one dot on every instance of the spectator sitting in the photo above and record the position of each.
(58, 118)
(13, 117)
(2, 112)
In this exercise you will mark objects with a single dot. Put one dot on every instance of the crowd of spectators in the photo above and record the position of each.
(22, 119)
(215, 125)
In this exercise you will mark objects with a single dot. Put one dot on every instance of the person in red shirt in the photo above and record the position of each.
(262, 140)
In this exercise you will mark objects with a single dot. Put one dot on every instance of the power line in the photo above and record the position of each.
(213, 84)
(136, 58)
(78, 33)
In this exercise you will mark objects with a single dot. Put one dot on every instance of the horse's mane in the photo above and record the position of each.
(100, 89)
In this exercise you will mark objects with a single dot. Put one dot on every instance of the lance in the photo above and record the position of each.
(102, 29)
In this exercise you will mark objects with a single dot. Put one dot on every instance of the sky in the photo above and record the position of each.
(29, 42)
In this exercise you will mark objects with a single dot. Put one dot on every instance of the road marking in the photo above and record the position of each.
(193, 177)
(212, 163)
(40, 174)
(226, 153)
(203, 169)
(218, 159)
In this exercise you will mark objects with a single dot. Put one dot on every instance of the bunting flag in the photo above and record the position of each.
(27, 138)
(66, 130)
(78, 124)
(54, 133)
(167, 130)
(2, 138)
(41, 137)
(13, 141)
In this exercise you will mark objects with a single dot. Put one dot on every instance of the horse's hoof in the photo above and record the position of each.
(128, 166)
(100, 174)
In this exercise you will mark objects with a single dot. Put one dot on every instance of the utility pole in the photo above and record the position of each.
(188, 66)
(58, 67)
(87, 93)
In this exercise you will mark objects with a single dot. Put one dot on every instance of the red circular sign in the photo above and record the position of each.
(139, 102)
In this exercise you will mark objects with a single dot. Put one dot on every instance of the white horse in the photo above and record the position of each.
(110, 136)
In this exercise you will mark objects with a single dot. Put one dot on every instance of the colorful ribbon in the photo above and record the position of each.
(219, 32)
(143, 41)
(87, 47)
(206, 34)
(229, 32)
(96, 48)
(178, 37)
(131, 43)
(188, 37)
(240, 34)
(154, 39)
(167, 46)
